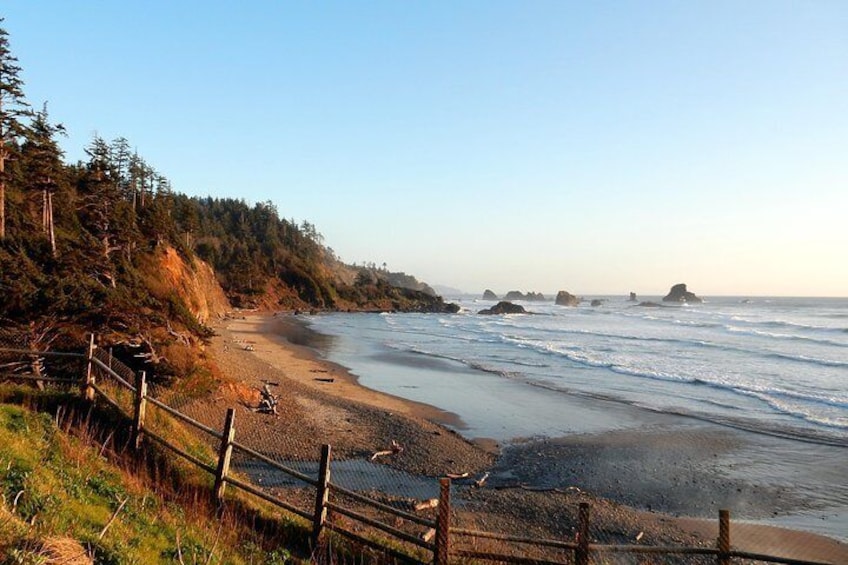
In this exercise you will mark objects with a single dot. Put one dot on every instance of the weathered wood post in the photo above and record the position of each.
(225, 453)
(440, 554)
(322, 495)
(581, 554)
(724, 537)
(88, 389)
(140, 408)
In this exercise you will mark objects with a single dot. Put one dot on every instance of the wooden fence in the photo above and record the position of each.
(582, 551)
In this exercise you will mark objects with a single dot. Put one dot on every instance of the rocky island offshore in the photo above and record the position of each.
(679, 293)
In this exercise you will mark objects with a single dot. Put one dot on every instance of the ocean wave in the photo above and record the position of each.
(521, 341)
(787, 324)
(582, 357)
(796, 411)
(804, 434)
(807, 359)
(783, 336)
(717, 319)
(473, 364)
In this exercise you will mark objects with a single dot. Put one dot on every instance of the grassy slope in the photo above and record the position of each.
(59, 493)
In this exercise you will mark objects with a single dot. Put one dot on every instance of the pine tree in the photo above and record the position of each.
(99, 197)
(42, 161)
(13, 108)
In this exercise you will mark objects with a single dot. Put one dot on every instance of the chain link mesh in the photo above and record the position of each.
(114, 380)
(26, 355)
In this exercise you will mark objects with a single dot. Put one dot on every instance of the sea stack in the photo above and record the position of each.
(565, 298)
(633, 297)
(504, 307)
(678, 293)
(489, 295)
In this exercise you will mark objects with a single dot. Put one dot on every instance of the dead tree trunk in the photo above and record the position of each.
(47, 217)
(52, 230)
(3, 156)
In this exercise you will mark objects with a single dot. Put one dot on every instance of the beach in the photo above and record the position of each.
(532, 482)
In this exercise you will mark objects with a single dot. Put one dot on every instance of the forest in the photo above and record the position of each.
(81, 244)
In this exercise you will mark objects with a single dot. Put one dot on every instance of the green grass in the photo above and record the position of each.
(57, 485)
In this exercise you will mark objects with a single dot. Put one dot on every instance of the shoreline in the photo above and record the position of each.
(283, 343)
(287, 332)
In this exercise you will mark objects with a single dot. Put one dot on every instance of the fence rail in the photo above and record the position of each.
(101, 380)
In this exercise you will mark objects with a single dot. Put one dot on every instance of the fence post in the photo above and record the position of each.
(724, 537)
(440, 554)
(224, 454)
(322, 495)
(88, 390)
(140, 408)
(581, 554)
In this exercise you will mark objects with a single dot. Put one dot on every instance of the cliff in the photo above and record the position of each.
(195, 284)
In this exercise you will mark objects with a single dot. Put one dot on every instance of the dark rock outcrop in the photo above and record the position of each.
(678, 293)
(632, 297)
(489, 295)
(504, 307)
(518, 295)
(564, 298)
(649, 304)
(597, 302)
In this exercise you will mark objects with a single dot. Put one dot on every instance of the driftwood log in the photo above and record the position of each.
(268, 401)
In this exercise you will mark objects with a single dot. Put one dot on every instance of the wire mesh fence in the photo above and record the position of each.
(112, 379)
(38, 358)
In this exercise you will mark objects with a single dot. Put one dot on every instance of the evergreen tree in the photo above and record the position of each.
(43, 168)
(13, 108)
(99, 198)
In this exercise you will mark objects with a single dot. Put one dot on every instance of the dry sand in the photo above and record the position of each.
(322, 403)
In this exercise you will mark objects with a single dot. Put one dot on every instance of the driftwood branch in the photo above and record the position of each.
(424, 505)
(394, 450)
(482, 480)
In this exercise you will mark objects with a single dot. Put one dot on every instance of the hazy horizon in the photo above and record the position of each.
(551, 295)
(597, 148)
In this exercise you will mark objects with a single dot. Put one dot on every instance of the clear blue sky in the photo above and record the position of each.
(597, 147)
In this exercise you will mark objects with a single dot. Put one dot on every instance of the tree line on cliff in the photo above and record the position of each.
(81, 243)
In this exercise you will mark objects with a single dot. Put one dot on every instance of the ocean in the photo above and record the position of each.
(773, 371)
(769, 365)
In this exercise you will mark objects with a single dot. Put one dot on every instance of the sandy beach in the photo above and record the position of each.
(321, 402)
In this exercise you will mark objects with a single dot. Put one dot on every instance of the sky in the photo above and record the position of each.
(595, 147)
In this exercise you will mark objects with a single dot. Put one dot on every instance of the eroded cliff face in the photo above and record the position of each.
(196, 284)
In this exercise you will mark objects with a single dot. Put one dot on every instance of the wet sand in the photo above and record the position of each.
(613, 467)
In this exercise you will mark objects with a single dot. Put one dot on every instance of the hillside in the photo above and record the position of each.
(66, 499)
(106, 245)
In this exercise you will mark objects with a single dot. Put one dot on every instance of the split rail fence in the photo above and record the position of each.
(328, 506)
